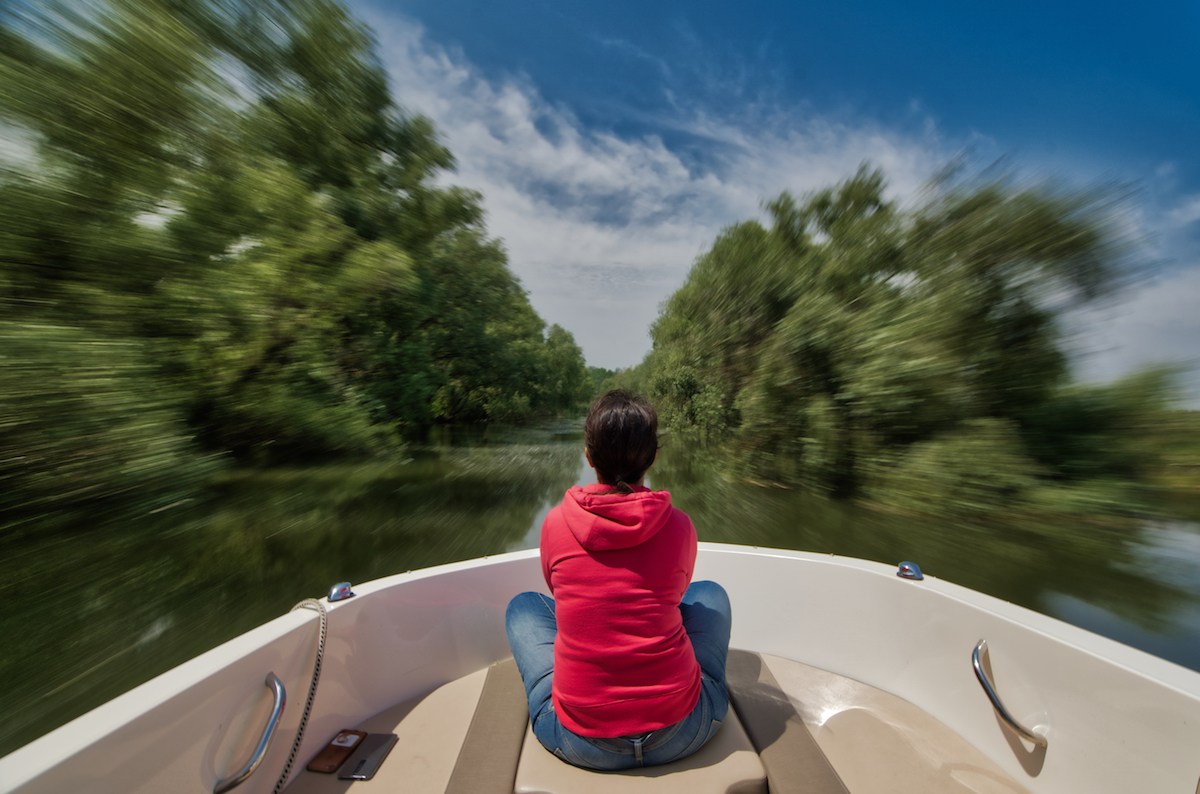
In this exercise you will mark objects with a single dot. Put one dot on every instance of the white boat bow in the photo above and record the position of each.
(1110, 718)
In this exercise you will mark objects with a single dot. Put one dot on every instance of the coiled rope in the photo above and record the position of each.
(308, 603)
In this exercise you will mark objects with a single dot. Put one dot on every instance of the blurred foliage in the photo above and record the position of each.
(254, 544)
(1111, 562)
(980, 463)
(79, 436)
(1175, 437)
(228, 242)
(910, 355)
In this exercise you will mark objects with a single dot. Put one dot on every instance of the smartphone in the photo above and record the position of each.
(334, 754)
(366, 760)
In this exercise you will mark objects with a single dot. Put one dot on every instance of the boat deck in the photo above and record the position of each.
(792, 728)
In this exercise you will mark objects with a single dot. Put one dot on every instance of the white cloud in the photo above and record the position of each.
(602, 228)
(1154, 323)
(1187, 213)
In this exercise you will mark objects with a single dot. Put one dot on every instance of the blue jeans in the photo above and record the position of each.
(531, 627)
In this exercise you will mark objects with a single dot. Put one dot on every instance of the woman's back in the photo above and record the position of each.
(625, 665)
(618, 566)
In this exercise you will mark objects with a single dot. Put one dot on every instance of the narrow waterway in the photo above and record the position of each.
(89, 615)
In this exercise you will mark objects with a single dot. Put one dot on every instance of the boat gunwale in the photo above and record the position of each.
(58, 747)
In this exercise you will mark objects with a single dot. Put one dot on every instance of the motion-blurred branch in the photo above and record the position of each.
(224, 206)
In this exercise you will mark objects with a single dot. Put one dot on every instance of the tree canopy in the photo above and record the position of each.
(230, 242)
(852, 344)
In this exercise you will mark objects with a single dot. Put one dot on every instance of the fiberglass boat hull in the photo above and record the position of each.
(1115, 719)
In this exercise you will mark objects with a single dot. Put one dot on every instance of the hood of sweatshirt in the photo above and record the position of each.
(602, 519)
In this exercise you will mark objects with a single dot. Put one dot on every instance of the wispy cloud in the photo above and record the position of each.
(1155, 323)
(602, 228)
(1187, 213)
(626, 48)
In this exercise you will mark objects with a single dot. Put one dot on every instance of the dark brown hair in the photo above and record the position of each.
(621, 434)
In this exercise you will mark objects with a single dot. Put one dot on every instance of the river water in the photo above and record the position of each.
(90, 614)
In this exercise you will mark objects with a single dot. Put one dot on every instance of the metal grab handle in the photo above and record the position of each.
(977, 663)
(264, 741)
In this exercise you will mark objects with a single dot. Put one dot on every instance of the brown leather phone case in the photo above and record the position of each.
(334, 754)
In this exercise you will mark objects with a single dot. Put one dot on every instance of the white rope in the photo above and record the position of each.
(308, 603)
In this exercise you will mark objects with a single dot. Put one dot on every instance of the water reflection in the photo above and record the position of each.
(90, 615)
(1135, 581)
(585, 475)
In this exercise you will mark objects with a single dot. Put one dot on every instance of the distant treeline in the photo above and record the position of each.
(223, 240)
(914, 356)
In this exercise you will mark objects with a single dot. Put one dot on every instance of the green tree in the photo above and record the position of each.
(567, 382)
(850, 330)
(227, 202)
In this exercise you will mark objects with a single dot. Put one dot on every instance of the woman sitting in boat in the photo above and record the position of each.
(625, 665)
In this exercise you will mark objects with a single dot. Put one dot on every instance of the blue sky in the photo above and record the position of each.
(612, 141)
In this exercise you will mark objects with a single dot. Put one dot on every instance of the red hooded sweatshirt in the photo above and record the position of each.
(618, 565)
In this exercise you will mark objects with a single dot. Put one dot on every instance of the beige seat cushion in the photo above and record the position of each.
(794, 763)
(431, 731)
(871, 739)
(726, 764)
